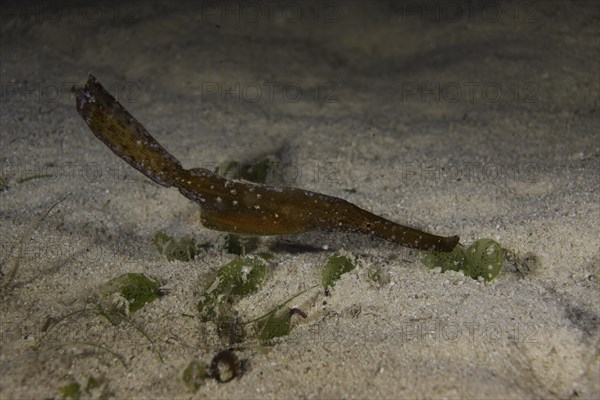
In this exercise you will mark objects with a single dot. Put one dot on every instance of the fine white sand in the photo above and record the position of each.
(484, 123)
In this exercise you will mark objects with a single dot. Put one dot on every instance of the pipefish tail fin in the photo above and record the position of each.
(124, 135)
(355, 219)
(431, 242)
(447, 243)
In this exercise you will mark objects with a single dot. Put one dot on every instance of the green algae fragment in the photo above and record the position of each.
(258, 171)
(484, 258)
(8, 277)
(32, 177)
(243, 275)
(236, 244)
(378, 275)
(233, 244)
(230, 170)
(92, 383)
(137, 289)
(71, 391)
(236, 279)
(195, 375)
(206, 307)
(3, 184)
(266, 256)
(336, 266)
(278, 324)
(184, 249)
(454, 260)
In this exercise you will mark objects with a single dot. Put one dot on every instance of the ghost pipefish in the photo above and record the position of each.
(232, 205)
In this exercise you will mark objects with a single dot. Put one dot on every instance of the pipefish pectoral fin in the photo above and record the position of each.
(243, 222)
(257, 210)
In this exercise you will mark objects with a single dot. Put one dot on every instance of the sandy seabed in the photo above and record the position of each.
(479, 120)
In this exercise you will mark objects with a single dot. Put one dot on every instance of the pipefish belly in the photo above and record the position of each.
(233, 205)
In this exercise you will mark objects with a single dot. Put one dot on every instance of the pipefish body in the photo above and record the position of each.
(232, 205)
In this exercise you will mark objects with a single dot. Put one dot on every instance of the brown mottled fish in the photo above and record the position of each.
(232, 205)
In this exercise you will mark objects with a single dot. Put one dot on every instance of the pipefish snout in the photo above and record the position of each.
(232, 205)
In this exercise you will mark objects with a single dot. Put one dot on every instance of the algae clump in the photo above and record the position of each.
(71, 391)
(278, 324)
(236, 279)
(92, 384)
(336, 266)
(484, 258)
(195, 375)
(455, 260)
(236, 244)
(136, 288)
(184, 249)
(258, 171)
